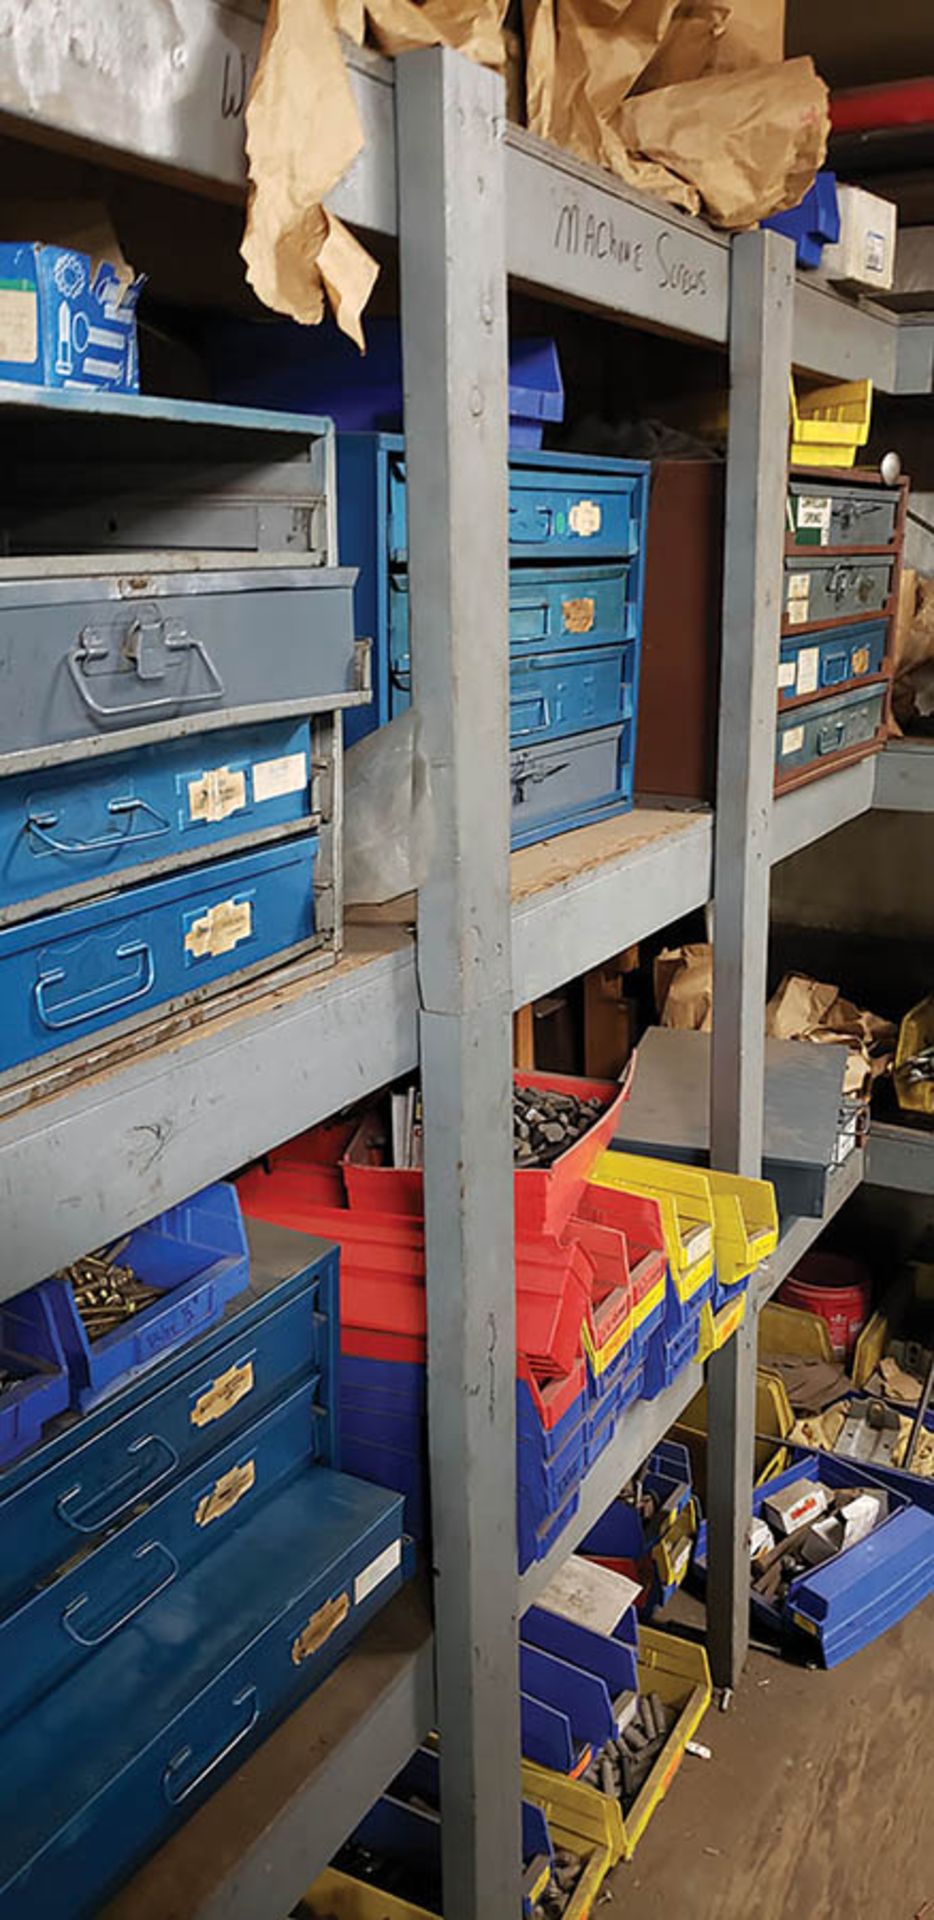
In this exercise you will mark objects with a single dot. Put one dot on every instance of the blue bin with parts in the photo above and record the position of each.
(69, 975)
(110, 1761)
(196, 1255)
(668, 1354)
(843, 1605)
(77, 828)
(402, 1830)
(613, 1661)
(32, 1364)
(90, 1478)
(812, 663)
(566, 1709)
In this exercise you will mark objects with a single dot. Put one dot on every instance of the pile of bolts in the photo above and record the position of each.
(565, 1874)
(621, 1768)
(106, 1293)
(545, 1124)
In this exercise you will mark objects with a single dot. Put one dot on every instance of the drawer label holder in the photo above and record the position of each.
(585, 518)
(225, 1493)
(223, 1394)
(320, 1627)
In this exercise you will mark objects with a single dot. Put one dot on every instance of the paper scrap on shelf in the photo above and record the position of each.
(593, 1596)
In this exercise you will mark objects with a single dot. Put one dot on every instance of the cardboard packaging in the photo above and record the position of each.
(793, 1506)
(64, 325)
(864, 255)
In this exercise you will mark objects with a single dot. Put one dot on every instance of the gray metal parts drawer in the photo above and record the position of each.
(89, 665)
(828, 588)
(824, 513)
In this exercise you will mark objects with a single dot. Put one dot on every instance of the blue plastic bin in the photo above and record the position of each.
(668, 1354)
(814, 223)
(197, 1255)
(31, 1351)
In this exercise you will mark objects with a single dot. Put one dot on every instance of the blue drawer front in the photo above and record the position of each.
(553, 695)
(105, 1766)
(66, 976)
(807, 735)
(816, 662)
(561, 507)
(62, 1624)
(94, 821)
(585, 777)
(91, 1477)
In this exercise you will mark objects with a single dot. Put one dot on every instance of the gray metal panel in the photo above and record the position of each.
(843, 339)
(800, 1232)
(904, 777)
(450, 118)
(563, 775)
(807, 813)
(838, 587)
(901, 1158)
(762, 300)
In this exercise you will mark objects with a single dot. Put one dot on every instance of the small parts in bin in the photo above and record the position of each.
(106, 1293)
(805, 1525)
(622, 1767)
(919, 1066)
(545, 1124)
(565, 1874)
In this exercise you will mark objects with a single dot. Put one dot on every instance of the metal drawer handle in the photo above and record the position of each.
(119, 1492)
(176, 1792)
(532, 777)
(40, 825)
(96, 1639)
(830, 737)
(89, 646)
(544, 716)
(400, 674)
(132, 950)
(838, 581)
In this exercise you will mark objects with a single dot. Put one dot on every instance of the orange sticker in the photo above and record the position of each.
(860, 661)
(320, 1628)
(578, 615)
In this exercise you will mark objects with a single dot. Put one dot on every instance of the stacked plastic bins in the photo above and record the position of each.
(843, 547)
(648, 1532)
(590, 1294)
(170, 747)
(182, 1562)
(577, 546)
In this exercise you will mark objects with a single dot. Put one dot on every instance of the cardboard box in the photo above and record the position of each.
(793, 1506)
(64, 325)
(864, 255)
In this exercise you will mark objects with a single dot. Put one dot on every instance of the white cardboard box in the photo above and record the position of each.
(864, 255)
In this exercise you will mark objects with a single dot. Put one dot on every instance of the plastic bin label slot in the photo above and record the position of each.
(223, 1394)
(220, 792)
(219, 929)
(578, 616)
(377, 1571)
(320, 1627)
(225, 1493)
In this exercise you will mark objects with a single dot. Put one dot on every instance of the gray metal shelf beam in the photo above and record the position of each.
(808, 813)
(901, 1158)
(904, 777)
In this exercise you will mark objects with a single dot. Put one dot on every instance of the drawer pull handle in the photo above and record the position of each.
(174, 1785)
(96, 1637)
(39, 826)
(830, 737)
(542, 717)
(89, 646)
(87, 1518)
(525, 777)
(139, 986)
(400, 674)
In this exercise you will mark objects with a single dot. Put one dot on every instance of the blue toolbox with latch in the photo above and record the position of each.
(813, 663)
(76, 830)
(830, 732)
(69, 975)
(92, 1475)
(819, 588)
(106, 1764)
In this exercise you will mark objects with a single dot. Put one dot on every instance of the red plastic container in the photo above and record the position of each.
(553, 1398)
(361, 1343)
(313, 1160)
(838, 1289)
(545, 1196)
(637, 1217)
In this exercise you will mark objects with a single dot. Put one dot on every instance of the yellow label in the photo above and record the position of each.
(219, 793)
(320, 1628)
(578, 615)
(859, 661)
(219, 929)
(585, 518)
(19, 326)
(223, 1394)
(225, 1493)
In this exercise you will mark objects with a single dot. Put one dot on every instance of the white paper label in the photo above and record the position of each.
(799, 586)
(585, 518)
(593, 1596)
(808, 670)
(874, 256)
(19, 325)
(219, 792)
(698, 1241)
(797, 613)
(793, 740)
(786, 673)
(273, 778)
(814, 512)
(377, 1571)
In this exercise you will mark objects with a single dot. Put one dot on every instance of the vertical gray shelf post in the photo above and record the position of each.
(761, 310)
(450, 129)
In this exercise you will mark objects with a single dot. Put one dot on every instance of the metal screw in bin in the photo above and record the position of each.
(106, 1294)
(545, 1124)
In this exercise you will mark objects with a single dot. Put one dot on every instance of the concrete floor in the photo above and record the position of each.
(818, 1803)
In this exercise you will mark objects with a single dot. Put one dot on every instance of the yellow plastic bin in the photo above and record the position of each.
(870, 1349)
(717, 1328)
(576, 1830)
(829, 424)
(789, 1330)
(773, 1424)
(338, 1896)
(685, 1206)
(672, 1551)
(678, 1672)
(745, 1224)
(915, 1032)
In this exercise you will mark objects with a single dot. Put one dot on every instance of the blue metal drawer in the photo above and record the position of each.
(814, 662)
(563, 506)
(66, 976)
(808, 735)
(98, 663)
(553, 695)
(570, 783)
(108, 1763)
(94, 1475)
(76, 829)
(97, 1594)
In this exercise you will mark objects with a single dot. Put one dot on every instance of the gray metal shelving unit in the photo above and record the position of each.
(474, 204)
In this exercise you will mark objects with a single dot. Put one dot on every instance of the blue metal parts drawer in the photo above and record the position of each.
(77, 829)
(69, 975)
(561, 507)
(91, 664)
(813, 663)
(809, 737)
(128, 1745)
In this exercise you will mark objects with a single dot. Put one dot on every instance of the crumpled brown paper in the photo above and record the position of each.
(690, 46)
(913, 654)
(302, 133)
(803, 1009)
(399, 26)
(683, 981)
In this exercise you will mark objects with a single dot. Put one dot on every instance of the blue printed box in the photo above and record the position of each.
(63, 324)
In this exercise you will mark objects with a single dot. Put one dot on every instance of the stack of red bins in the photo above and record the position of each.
(587, 1301)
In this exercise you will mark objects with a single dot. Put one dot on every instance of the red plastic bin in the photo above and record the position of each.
(838, 1289)
(545, 1197)
(313, 1161)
